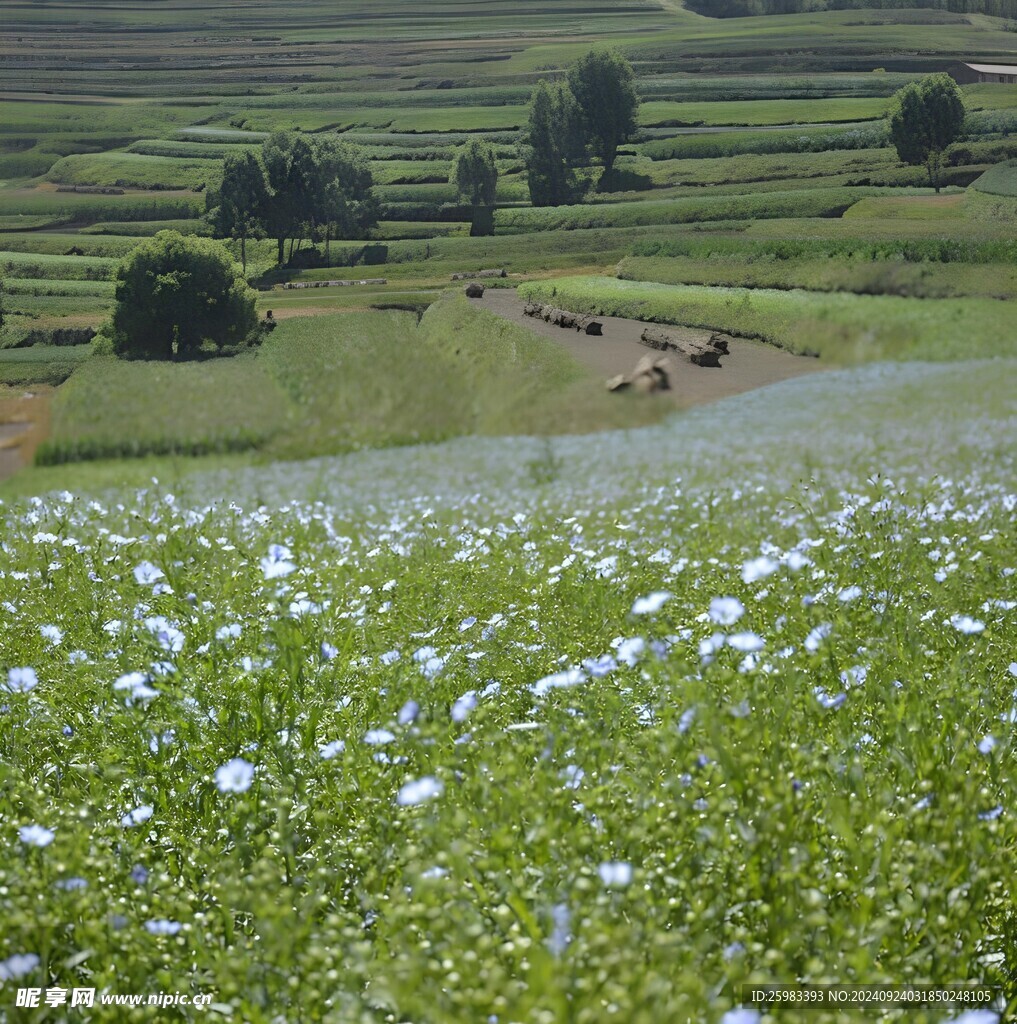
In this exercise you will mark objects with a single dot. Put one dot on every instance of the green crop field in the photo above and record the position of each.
(391, 668)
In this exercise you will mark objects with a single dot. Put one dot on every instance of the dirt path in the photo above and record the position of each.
(24, 422)
(751, 364)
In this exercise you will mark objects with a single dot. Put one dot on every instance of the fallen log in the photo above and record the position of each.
(697, 353)
(588, 325)
(467, 275)
(333, 284)
(649, 376)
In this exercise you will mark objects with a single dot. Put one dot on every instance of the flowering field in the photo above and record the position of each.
(591, 729)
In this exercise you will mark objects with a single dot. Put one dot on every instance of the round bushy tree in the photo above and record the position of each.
(475, 176)
(926, 117)
(174, 294)
(604, 86)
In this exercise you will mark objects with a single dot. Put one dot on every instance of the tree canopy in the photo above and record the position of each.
(175, 294)
(300, 188)
(475, 176)
(553, 146)
(237, 209)
(604, 86)
(927, 116)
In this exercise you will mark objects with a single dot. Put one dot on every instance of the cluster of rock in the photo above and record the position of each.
(700, 353)
(333, 284)
(467, 275)
(92, 190)
(650, 375)
(474, 290)
(564, 318)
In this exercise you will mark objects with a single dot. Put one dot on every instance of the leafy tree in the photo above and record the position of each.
(345, 203)
(927, 116)
(475, 176)
(553, 146)
(237, 209)
(603, 84)
(289, 166)
(320, 188)
(175, 293)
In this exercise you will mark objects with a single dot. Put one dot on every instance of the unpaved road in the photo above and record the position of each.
(751, 364)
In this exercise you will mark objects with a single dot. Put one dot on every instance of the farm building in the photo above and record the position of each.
(966, 74)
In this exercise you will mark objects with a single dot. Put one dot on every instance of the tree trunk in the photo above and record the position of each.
(281, 243)
(243, 253)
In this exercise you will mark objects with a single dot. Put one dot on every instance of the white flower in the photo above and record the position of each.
(849, 594)
(54, 634)
(160, 926)
(21, 680)
(136, 683)
(746, 642)
(827, 701)
(18, 966)
(378, 737)
(979, 1016)
(759, 568)
(966, 624)
(166, 634)
(570, 677)
(418, 790)
(987, 745)
(615, 873)
(463, 706)
(631, 650)
(992, 814)
(331, 750)
(741, 1015)
(277, 563)
(652, 603)
(137, 817)
(408, 712)
(726, 611)
(230, 632)
(234, 776)
(35, 835)
(817, 636)
(147, 574)
(795, 561)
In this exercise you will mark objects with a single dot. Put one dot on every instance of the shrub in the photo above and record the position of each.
(174, 294)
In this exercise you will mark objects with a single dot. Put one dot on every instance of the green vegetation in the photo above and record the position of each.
(841, 328)
(460, 371)
(1000, 180)
(525, 728)
(303, 619)
(117, 409)
(603, 84)
(819, 202)
(475, 176)
(40, 364)
(177, 297)
(131, 170)
(926, 118)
